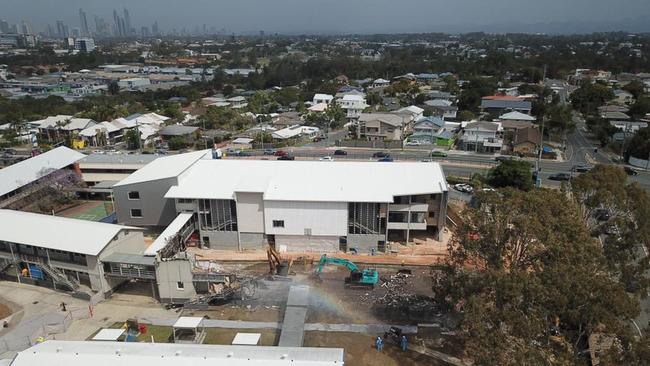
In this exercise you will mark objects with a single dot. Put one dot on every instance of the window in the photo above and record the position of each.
(185, 200)
(136, 213)
(180, 286)
(432, 214)
(134, 195)
(278, 223)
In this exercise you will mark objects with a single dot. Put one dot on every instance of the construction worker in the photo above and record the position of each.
(403, 343)
(63, 308)
(379, 344)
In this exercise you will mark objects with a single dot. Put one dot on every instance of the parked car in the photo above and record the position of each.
(463, 187)
(630, 171)
(380, 154)
(581, 168)
(287, 157)
(413, 143)
(9, 151)
(386, 159)
(502, 158)
(326, 158)
(438, 154)
(280, 153)
(340, 152)
(160, 152)
(560, 176)
(243, 153)
(269, 152)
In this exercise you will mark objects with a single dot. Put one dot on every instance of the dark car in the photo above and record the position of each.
(581, 168)
(560, 176)
(243, 153)
(279, 153)
(630, 171)
(502, 158)
(340, 152)
(269, 152)
(287, 157)
(9, 151)
(386, 159)
(380, 154)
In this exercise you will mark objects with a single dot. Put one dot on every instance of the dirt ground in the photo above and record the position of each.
(5, 311)
(360, 351)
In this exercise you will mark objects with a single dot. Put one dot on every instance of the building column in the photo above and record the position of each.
(442, 216)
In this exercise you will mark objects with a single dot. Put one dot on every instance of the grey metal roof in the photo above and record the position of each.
(177, 130)
(129, 259)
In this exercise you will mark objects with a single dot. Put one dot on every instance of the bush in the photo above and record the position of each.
(177, 143)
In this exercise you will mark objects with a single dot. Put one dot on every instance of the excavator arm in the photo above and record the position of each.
(325, 260)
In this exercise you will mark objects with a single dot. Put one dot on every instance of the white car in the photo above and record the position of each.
(463, 187)
(413, 143)
(326, 158)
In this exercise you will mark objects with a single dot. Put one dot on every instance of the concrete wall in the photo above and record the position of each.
(227, 240)
(323, 218)
(250, 212)
(156, 209)
(252, 241)
(363, 243)
(168, 274)
(301, 243)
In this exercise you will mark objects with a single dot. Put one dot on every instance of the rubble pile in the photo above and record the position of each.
(396, 298)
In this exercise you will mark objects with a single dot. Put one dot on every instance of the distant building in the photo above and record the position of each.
(353, 105)
(382, 126)
(85, 45)
(482, 137)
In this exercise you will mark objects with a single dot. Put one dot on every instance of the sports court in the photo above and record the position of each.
(88, 210)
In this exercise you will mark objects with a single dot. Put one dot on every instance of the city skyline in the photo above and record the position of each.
(362, 16)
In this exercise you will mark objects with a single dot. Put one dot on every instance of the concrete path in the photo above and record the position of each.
(322, 327)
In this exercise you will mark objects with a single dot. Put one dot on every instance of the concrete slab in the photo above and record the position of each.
(293, 327)
(298, 296)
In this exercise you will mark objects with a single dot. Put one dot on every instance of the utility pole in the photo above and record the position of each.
(538, 179)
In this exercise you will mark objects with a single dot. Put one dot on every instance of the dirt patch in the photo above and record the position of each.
(360, 351)
(230, 312)
(5, 311)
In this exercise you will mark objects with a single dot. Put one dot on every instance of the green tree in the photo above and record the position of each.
(132, 138)
(640, 108)
(113, 88)
(530, 286)
(465, 115)
(511, 173)
(177, 143)
(589, 96)
(635, 87)
(559, 118)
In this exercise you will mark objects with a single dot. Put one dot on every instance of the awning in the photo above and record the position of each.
(168, 233)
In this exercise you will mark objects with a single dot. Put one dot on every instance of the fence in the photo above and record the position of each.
(394, 144)
(47, 327)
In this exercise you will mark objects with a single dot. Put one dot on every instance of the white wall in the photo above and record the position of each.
(323, 218)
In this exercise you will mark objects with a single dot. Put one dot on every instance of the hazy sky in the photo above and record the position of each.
(349, 16)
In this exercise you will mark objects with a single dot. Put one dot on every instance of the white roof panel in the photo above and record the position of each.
(247, 339)
(517, 116)
(32, 169)
(108, 335)
(315, 181)
(188, 322)
(172, 229)
(164, 167)
(83, 353)
(54, 232)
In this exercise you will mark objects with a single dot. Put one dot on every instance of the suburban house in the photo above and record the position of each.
(237, 102)
(442, 108)
(295, 131)
(382, 126)
(415, 112)
(500, 104)
(296, 206)
(286, 119)
(354, 105)
(322, 98)
(19, 180)
(623, 97)
(517, 117)
(379, 83)
(615, 116)
(482, 137)
(526, 141)
(66, 253)
(432, 130)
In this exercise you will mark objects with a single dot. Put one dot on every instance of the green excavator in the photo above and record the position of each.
(366, 277)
